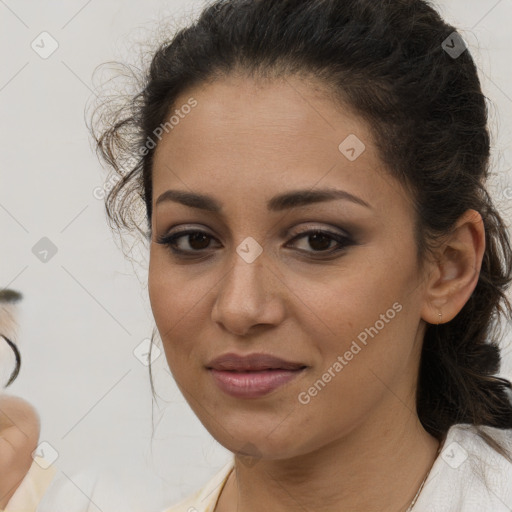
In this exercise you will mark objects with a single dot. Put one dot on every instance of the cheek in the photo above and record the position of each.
(346, 303)
(365, 314)
(361, 357)
(171, 304)
(179, 306)
(359, 333)
(171, 296)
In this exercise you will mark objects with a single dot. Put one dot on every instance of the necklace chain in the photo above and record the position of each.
(424, 480)
(409, 509)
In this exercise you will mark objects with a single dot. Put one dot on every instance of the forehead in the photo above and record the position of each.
(238, 107)
(261, 135)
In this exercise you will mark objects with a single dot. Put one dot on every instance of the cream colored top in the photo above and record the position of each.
(32, 488)
(456, 483)
(467, 476)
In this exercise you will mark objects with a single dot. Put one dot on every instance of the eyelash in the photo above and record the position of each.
(170, 241)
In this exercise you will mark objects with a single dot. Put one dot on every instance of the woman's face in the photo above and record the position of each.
(345, 304)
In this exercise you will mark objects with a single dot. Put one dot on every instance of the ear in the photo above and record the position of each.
(455, 273)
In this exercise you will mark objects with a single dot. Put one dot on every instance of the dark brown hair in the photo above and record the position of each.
(10, 297)
(389, 61)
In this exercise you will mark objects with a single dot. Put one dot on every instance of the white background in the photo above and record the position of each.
(86, 309)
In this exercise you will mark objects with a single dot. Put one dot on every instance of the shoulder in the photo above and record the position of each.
(19, 430)
(32, 488)
(19, 415)
(19, 434)
(205, 499)
(469, 473)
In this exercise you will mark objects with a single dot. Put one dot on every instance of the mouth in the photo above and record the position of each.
(252, 384)
(252, 363)
(252, 376)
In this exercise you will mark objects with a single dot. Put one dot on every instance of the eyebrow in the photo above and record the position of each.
(292, 199)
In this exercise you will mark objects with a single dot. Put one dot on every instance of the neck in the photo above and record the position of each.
(371, 469)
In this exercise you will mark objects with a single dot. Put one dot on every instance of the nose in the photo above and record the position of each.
(250, 294)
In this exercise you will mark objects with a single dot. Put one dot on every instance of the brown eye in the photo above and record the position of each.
(197, 241)
(320, 241)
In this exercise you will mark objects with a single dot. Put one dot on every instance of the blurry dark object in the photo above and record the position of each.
(8, 300)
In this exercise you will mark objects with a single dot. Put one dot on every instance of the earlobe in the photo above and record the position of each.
(457, 270)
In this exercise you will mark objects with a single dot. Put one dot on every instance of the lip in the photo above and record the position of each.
(252, 384)
(254, 375)
(252, 362)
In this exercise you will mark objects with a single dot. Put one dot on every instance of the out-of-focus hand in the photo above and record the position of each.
(19, 435)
